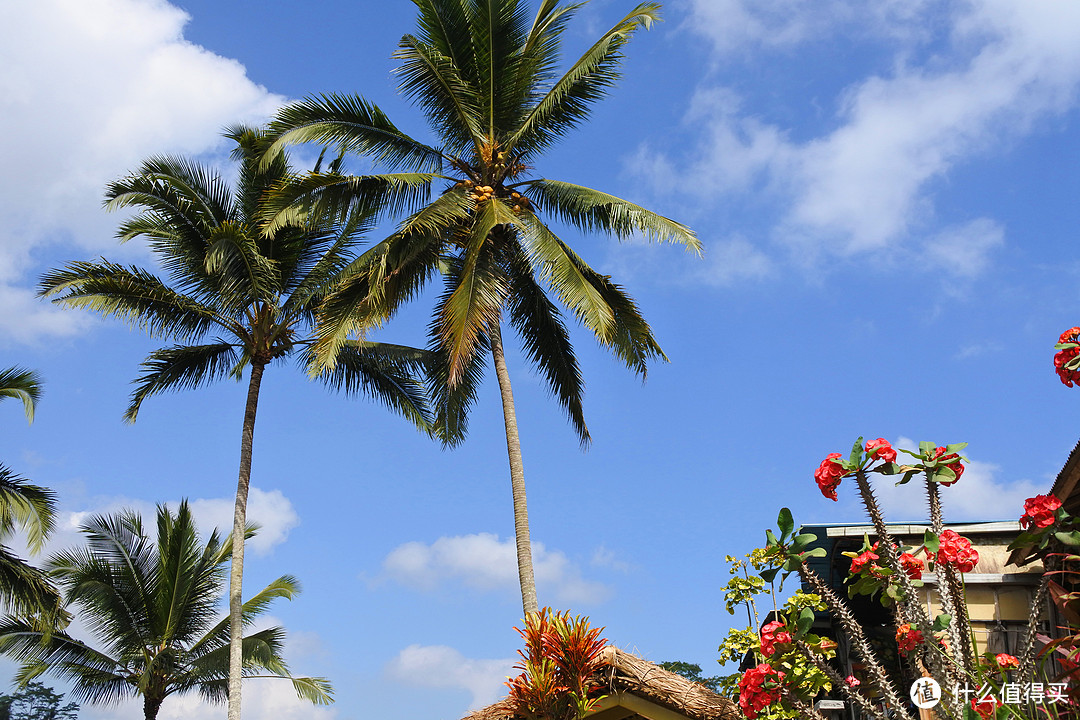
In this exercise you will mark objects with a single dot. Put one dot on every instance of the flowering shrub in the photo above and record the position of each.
(759, 688)
(1040, 511)
(940, 646)
(1067, 359)
(956, 551)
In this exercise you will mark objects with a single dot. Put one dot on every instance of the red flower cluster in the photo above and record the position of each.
(986, 709)
(1039, 511)
(758, 689)
(880, 449)
(908, 638)
(957, 467)
(829, 474)
(1068, 377)
(772, 633)
(852, 681)
(956, 551)
(1006, 661)
(911, 565)
(858, 563)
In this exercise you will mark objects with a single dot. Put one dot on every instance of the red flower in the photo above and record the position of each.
(956, 551)
(911, 565)
(829, 474)
(772, 633)
(1039, 511)
(852, 681)
(1006, 661)
(759, 688)
(956, 467)
(986, 709)
(859, 562)
(880, 449)
(908, 638)
(1068, 377)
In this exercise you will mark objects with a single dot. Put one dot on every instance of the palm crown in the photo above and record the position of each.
(486, 79)
(153, 607)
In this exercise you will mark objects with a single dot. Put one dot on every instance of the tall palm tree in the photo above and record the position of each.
(240, 294)
(151, 605)
(486, 78)
(32, 508)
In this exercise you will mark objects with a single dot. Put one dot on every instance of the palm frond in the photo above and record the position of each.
(452, 403)
(181, 367)
(242, 273)
(475, 293)
(21, 384)
(498, 32)
(24, 588)
(132, 295)
(567, 104)
(27, 506)
(354, 125)
(385, 372)
(545, 338)
(452, 105)
(592, 211)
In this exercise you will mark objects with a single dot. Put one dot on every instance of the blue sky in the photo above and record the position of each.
(887, 197)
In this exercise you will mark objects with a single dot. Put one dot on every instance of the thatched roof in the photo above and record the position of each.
(625, 675)
(1065, 485)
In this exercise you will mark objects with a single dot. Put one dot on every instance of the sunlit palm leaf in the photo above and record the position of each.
(23, 385)
(181, 367)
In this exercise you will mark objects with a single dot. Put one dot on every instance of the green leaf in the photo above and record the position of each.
(855, 458)
(770, 539)
(927, 448)
(769, 575)
(944, 474)
(1069, 538)
(930, 541)
(785, 522)
(801, 541)
(942, 621)
(889, 469)
(816, 552)
(955, 447)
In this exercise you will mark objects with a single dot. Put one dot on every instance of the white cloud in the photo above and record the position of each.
(88, 89)
(273, 512)
(484, 562)
(865, 185)
(978, 495)
(439, 666)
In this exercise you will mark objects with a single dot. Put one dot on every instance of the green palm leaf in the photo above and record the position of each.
(181, 367)
(23, 385)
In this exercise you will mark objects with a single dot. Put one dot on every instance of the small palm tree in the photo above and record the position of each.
(26, 506)
(486, 78)
(151, 606)
(241, 294)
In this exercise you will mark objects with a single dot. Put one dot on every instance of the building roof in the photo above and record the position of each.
(637, 689)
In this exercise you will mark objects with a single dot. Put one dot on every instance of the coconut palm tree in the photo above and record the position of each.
(240, 295)
(152, 608)
(486, 77)
(31, 508)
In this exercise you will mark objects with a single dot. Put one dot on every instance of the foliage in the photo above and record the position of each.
(558, 666)
(152, 608)
(26, 507)
(36, 702)
(692, 672)
(941, 647)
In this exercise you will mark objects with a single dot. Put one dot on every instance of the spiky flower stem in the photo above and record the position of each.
(1026, 672)
(847, 691)
(950, 589)
(805, 710)
(912, 610)
(854, 631)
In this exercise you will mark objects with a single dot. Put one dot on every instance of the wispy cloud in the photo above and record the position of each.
(865, 184)
(439, 666)
(88, 90)
(981, 494)
(484, 562)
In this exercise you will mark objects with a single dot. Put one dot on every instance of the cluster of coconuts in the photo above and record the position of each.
(482, 193)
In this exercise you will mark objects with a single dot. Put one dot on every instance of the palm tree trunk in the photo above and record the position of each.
(236, 572)
(151, 707)
(517, 475)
